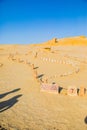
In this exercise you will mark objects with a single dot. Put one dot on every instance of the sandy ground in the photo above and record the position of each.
(22, 104)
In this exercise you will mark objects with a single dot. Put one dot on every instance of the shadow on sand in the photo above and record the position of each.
(8, 103)
(4, 105)
(85, 120)
(60, 89)
(5, 94)
(40, 76)
(36, 67)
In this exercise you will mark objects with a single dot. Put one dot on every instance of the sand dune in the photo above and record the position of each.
(23, 68)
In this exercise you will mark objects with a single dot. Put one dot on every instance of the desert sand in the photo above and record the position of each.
(23, 106)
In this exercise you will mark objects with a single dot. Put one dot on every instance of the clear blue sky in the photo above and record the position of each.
(36, 21)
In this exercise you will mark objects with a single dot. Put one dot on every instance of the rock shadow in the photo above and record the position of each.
(60, 89)
(85, 120)
(78, 90)
(40, 76)
(36, 67)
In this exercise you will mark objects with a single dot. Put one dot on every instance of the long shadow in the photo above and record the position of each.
(40, 76)
(36, 67)
(5, 94)
(9, 103)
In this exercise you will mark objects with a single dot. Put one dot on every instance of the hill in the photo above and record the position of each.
(79, 40)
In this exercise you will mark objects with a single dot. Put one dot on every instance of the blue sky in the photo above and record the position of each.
(36, 21)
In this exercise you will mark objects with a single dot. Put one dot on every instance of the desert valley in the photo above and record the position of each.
(26, 71)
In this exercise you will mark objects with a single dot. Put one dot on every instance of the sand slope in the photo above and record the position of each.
(23, 106)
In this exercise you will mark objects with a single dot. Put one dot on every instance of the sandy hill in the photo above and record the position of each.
(23, 70)
(79, 40)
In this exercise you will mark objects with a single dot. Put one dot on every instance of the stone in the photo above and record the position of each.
(82, 91)
(72, 91)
